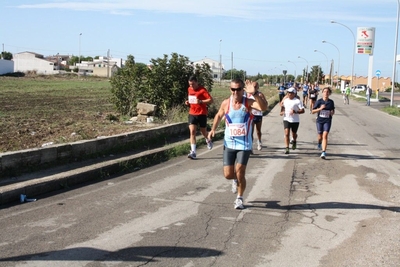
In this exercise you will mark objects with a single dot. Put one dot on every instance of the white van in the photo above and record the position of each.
(359, 88)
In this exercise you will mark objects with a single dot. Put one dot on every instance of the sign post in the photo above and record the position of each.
(377, 73)
(284, 76)
(365, 45)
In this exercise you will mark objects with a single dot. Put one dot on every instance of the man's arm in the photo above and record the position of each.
(217, 118)
(258, 102)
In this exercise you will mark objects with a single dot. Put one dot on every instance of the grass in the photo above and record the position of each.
(395, 111)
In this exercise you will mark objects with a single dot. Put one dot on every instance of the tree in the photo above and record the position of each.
(316, 74)
(6, 55)
(168, 81)
(73, 60)
(234, 74)
(127, 85)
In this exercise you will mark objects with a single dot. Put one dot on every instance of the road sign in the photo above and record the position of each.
(365, 40)
(378, 73)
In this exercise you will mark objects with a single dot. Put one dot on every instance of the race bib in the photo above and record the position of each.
(192, 99)
(324, 113)
(237, 129)
(312, 95)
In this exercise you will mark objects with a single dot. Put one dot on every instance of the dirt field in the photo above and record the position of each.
(35, 111)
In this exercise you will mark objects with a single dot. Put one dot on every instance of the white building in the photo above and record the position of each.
(29, 61)
(101, 67)
(6, 66)
(216, 68)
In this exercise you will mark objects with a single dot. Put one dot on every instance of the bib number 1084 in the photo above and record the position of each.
(237, 129)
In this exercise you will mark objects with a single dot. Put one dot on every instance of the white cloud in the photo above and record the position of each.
(345, 10)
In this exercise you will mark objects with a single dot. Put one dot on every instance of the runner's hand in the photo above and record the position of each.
(250, 87)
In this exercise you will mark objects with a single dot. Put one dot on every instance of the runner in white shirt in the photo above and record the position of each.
(290, 109)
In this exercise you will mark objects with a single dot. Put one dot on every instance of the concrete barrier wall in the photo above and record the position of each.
(18, 162)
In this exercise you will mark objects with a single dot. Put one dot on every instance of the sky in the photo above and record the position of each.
(257, 36)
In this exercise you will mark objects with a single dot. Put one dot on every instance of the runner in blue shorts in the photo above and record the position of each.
(325, 109)
(236, 112)
(306, 87)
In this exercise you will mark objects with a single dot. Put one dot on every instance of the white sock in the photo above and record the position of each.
(193, 147)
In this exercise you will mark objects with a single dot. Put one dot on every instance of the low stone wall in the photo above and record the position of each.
(16, 163)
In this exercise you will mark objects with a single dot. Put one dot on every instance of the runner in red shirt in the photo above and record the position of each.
(198, 99)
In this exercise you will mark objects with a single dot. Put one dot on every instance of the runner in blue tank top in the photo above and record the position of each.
(236, 110)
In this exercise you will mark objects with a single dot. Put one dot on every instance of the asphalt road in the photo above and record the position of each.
(300, 210)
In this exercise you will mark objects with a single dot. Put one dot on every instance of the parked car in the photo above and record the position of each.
(359, 88)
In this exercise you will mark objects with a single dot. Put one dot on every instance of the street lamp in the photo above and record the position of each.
(295, 67)
(323, 41)
(220, 62)
(395, 54)
(79, 59)
(306, 68)
(327, 60)
(354, 48)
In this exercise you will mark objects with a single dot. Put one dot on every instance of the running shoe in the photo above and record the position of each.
(323, 155)
(192, 155)
(259, 145)
(287, 150)
(294, 145)
(319, 147)
(209, 144)
(239, 204)
(234, 186)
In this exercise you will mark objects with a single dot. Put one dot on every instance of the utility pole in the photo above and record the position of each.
(79, 59)
(220, 62)
(232, 66)
(108, 63)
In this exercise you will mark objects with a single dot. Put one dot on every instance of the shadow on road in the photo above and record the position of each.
(319, 206)
(134, 254)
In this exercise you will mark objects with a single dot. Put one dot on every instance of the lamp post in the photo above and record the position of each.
(354, 48)
(220, 62)
(395, 55)
(327, 60)
(58, 61)
(323, 41)
(79, 59)
(306, 68)
(295, 67)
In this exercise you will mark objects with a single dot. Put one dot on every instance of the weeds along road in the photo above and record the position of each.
(300, 210)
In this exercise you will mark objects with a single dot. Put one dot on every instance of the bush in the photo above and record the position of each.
(164, 84)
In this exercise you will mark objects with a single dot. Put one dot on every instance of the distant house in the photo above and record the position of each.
(6, 66)
(216, 68)
(29, 61)
(60, 61)
(102, 67)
